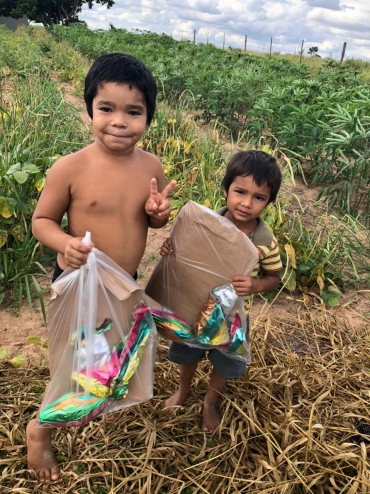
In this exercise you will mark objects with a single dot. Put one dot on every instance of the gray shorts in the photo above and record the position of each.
(227, 367)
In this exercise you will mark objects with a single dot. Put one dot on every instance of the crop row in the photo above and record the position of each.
(38, 125)
(321, 119)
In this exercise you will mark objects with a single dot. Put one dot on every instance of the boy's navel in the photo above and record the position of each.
(93, 203)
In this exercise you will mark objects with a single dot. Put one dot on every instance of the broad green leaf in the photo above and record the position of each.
(6, 207)
(20, 177)
(3, 353)
(303, 267)
(18, 360)
(333, 290)
(3, 237)
(331, 299)
(30, 168)
(14, 168)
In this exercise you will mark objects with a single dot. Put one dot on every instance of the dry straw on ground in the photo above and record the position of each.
(285, 425)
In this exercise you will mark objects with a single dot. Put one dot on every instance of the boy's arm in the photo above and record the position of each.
(46, 219)
(246, 285)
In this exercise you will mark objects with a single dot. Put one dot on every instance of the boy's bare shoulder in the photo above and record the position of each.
(72, 159)
(67, 166)
(147, 157)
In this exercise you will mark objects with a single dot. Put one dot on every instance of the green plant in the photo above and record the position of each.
(329, 255)
(37, 126)
(16, 361)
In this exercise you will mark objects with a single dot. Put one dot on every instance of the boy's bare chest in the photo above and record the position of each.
(107, 192)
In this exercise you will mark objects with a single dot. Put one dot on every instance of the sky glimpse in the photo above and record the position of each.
(326, 24)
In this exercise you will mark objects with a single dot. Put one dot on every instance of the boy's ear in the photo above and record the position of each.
(224, 192)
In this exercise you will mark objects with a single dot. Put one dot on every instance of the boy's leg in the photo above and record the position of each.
(40, 456)
(224, 368)
(188, 359)
(211, 419)
(187, 372)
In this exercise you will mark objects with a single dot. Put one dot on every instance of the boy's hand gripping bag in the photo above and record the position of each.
(102, 342)
(197, 303)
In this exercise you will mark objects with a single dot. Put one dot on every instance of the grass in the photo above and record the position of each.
(286, 425)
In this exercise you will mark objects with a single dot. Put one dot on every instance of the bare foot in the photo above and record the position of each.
(40, 455)
(175, 401)
(211, 419)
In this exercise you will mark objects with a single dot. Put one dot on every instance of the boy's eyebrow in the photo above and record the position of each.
(237, 187)
(131, 107)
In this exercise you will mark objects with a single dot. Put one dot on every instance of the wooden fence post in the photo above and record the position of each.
(245, 42)
(343, 51)
(195, 31)
(270, 46)
(301, 52)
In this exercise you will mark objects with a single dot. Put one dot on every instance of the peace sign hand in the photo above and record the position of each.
(158, 205)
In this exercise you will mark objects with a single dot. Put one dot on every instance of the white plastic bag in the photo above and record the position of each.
(102, 343)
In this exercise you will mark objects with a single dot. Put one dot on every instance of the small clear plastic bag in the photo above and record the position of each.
(102, 343)
(197, 304)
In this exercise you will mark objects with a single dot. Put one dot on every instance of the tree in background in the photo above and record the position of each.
(48, 12)
(311, 51)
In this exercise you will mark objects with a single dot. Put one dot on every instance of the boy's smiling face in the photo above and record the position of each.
(119, 117)
(245, 201)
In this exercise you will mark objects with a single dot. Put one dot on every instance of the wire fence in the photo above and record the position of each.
(246, 43)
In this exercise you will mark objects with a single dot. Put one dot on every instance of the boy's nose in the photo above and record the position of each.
(247, 202)
(119, 121)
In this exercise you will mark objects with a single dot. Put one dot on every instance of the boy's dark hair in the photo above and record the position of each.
(121, 69)
(260, 165)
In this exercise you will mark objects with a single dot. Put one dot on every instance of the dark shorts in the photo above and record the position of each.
(227, 367)
(58, 271)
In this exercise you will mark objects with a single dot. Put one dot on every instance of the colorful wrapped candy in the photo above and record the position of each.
(219, 324)
(108, 379)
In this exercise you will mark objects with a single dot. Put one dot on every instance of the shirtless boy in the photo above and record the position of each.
(111, 188)
(251, 182)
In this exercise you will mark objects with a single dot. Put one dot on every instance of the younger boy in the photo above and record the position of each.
(111, 188)
(251, 182)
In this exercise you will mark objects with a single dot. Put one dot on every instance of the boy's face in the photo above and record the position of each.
(246, 200)
(119, 117)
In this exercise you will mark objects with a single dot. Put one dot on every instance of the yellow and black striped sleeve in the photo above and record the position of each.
(269, 258)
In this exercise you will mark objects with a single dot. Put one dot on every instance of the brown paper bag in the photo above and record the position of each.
(208, 252)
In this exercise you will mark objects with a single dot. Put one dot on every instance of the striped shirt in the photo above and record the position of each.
(267, 246)
(268, 252)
